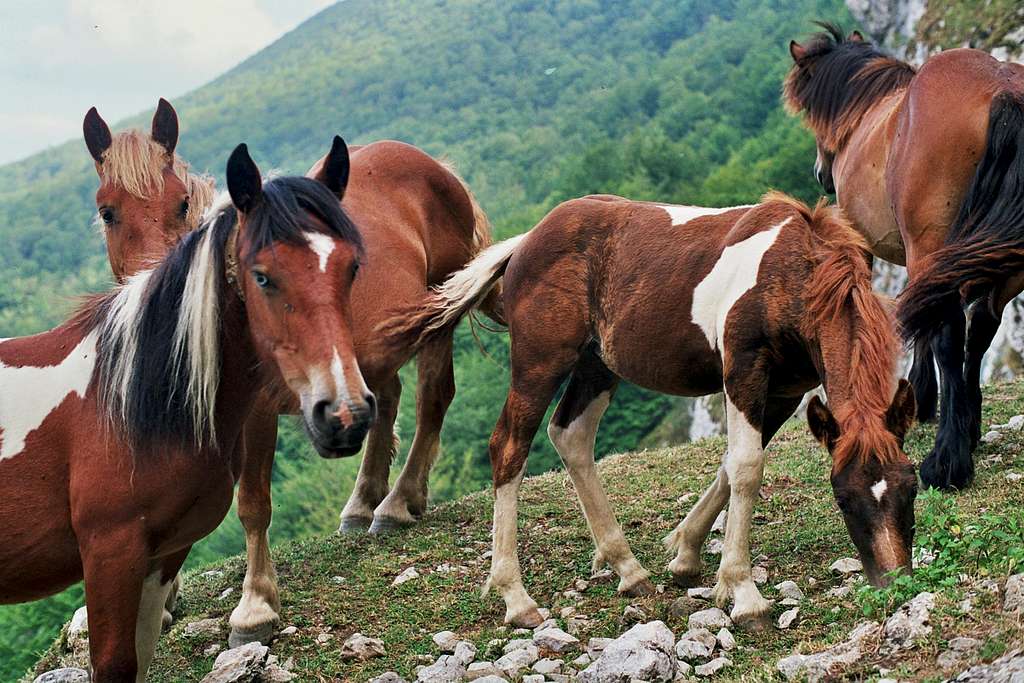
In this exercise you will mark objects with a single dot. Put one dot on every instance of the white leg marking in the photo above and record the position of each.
(879, 488)
(680, 215)
(687, 538)
(259, 602)
(505, 572)
(149, 620)
(744, 466)
(322, 245)
(734, 274)
(575, 445)
(30, 393)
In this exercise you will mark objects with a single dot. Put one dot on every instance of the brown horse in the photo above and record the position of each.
(419, 222)
(764, 302)
(902, 149)
(119, 428)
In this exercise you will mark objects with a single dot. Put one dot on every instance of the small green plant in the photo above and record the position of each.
(989, 545)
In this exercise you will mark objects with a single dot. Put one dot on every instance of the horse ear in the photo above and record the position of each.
(97, 134)
(165, 126)
(855, 37)
(823, 425)
(902, 410)
(244, 182)
(335, 169)
(797, 51)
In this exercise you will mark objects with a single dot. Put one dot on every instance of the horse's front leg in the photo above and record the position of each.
(744, 467)
(256, 616)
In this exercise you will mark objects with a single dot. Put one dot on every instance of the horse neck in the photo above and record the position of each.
(239, 382)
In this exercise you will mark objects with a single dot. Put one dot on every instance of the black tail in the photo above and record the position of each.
(985, 244)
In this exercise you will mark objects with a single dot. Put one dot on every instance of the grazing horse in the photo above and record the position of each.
(119, 428)
(419, 224)
(765, 302)
(911, 155)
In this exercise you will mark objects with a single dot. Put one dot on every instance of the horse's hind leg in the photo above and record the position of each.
(573, 430)
(949, 465)
(255, 617)
(372, 481)
(687, 538)
(922, 378)
(435, 390)
(980, 332)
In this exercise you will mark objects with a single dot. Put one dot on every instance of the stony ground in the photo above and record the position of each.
(335, 587)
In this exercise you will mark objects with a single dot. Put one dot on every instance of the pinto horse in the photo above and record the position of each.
(915, 158)
(765, 302)
(119, 428)
(419, 224)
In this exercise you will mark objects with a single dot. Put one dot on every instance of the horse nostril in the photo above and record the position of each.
(371, 403)
(323, 418)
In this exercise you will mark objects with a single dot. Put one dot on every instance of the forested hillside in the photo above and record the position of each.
(536, 101)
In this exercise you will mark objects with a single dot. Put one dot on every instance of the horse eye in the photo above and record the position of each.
(262, 281)
(355, 268)
(107, 215)
(183, 209)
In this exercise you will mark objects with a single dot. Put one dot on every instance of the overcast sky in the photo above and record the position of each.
(60, 57)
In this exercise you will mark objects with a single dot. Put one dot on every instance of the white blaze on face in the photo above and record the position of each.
(684, 214)
(29, 394)
(322, 245)
(734, 275)
(879, 488)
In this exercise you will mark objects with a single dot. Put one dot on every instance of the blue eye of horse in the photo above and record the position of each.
(262, 281)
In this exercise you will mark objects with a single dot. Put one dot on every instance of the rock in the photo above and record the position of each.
(275, 673)
(719, 525)
(815, 667)
(226, 593)
(759, 575)
(959, 648)
(408, 575)
(1014, 476)
(1007, 669)
(446, 641)
(991, 437)
(576, 625)
(338, 579)
(533, 678)
(789, 602)
(602, 575)
(582, 662)
(643, 652)
(681, 608)
(212, 649)
(697, 643)
(465, 652)
(1013, 599)
(683, 671)
(388, 677)
(711, 619)
(595, 646)
(243, 663)
(213, 574)
(447, 669)
(478, 670)
(518, 660)
(555, 640)
(846, 566)
(79, 624)
(516, 644)
(787, 618)
(65, 675)
(360, 648)
(288, 631)
(567, 612)
(545, 613)
(966, 606)
(548, 666)
(701, 593)
(909, 623)
(712, 667)
(1016, 423)
(203, 627)
(581, 585)
(324, 638)
(789, 589)
(840, 591)
(633, 614)
(726, 639)
(547, 623)
(492, 679)
(715, 546)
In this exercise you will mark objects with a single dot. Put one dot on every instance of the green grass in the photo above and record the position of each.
(796, 525)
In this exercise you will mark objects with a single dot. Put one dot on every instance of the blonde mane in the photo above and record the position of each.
(136, 163)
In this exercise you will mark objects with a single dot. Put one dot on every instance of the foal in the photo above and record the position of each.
(119, 437)
(420, 223)
(916, 158)
(764, 302)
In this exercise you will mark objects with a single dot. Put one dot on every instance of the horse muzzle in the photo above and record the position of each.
(337, 428)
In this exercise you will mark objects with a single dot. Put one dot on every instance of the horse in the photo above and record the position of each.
(419, 223)
(910, 164)
(763, 302)
(118, 429)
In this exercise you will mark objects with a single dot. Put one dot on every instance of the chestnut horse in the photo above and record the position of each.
(902, 150)
(420, 223)
(119, 428)
(765, 302)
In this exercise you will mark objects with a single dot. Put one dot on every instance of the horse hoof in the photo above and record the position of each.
(754, 623)
(262, 633)
(947, 474)
(166, 620)
(639, 589)
(383, 525)
(354, 525)
(531, 618)
(688, 580)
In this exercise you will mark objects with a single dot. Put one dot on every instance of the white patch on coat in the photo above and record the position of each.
(734, 275)
(31, 393)
(322, 245)
(879, 488)
(681, 215)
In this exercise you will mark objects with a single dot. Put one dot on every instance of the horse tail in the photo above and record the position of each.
(447, 304)
(481, 240)
(985, 244)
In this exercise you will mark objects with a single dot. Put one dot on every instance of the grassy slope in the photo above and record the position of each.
(797, 527)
